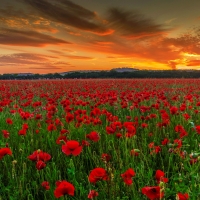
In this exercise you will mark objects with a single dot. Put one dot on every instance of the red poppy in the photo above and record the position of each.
(5, 151)
(63, 131)
(85, 143)
(183, 134)
(178, 143)
(69, 117)
(9, 121)
(165, 141)
(110, 130)
(119, 135)
(105, 157)
(151, 145)
(157, 149)
(127, 176)
(193, 160)
(178, 128)
(186, 116)
(22, 132)
(51, 127)
(72, 147)
(197, 128)
(61, 138)
(173, 110)
(40, 165)
(144, 125)
(63, 188)
(160, 176)
(97, 174)
(25, 126)
(92, 194)
(153, 193)
(134, 152)
(5, 133)
(45, 185)
(39, 155)
(94, 136)
(181, 196)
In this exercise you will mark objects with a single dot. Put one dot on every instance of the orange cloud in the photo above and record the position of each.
(80, 57)
(193, 63)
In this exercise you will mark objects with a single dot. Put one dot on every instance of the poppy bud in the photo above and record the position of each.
(170, 145)
(194, 155)
(137, 150)
(14, 162)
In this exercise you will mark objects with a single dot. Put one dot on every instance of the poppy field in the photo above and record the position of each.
(100, 139)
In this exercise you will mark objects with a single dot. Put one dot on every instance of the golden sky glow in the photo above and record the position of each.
(48, 36)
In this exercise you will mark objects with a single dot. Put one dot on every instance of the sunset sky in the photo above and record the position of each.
(48, 36)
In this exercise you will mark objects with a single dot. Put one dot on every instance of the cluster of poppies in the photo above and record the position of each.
(109, 128)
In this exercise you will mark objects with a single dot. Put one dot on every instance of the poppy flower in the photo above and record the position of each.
(178, 143)
(63, 131)
(72, 147)
(5, 133)
(134, 152)
(5, 151)
(160, 176)
(127, 176)
(25, 126)
(165, 141)
(9, 121)
(45, 185)
(153, 193)
(61, 138)
(181, 196)
(39, 155)
(40, 165)
(118, 135)
(22, 132)
(97, 174)
(105, 157)
(92, 194)
(51, 127)
(63, 188)
(144, 125)
(85, 143)
(197, 128)
(69, 117)
(110, 130)
(94, 136)
(173, 110)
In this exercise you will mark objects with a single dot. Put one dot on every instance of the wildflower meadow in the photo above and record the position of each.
(113, 139)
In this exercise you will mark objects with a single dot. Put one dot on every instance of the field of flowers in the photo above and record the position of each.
(100, 139)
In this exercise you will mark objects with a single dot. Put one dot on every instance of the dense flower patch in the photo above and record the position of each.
(100, 139)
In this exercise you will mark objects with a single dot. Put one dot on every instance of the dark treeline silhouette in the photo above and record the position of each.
(108, 74)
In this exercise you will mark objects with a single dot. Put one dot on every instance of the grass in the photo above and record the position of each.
(19, 177)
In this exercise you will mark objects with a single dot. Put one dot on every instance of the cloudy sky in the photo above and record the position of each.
(47, 36)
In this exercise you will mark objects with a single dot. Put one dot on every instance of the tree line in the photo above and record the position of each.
(108, 74)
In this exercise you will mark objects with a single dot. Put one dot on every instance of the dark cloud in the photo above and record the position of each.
(29, 59)
(18, 18)
(22, 58)
(132, 24)
(75, 8)
(27, 38)
(71, 14)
